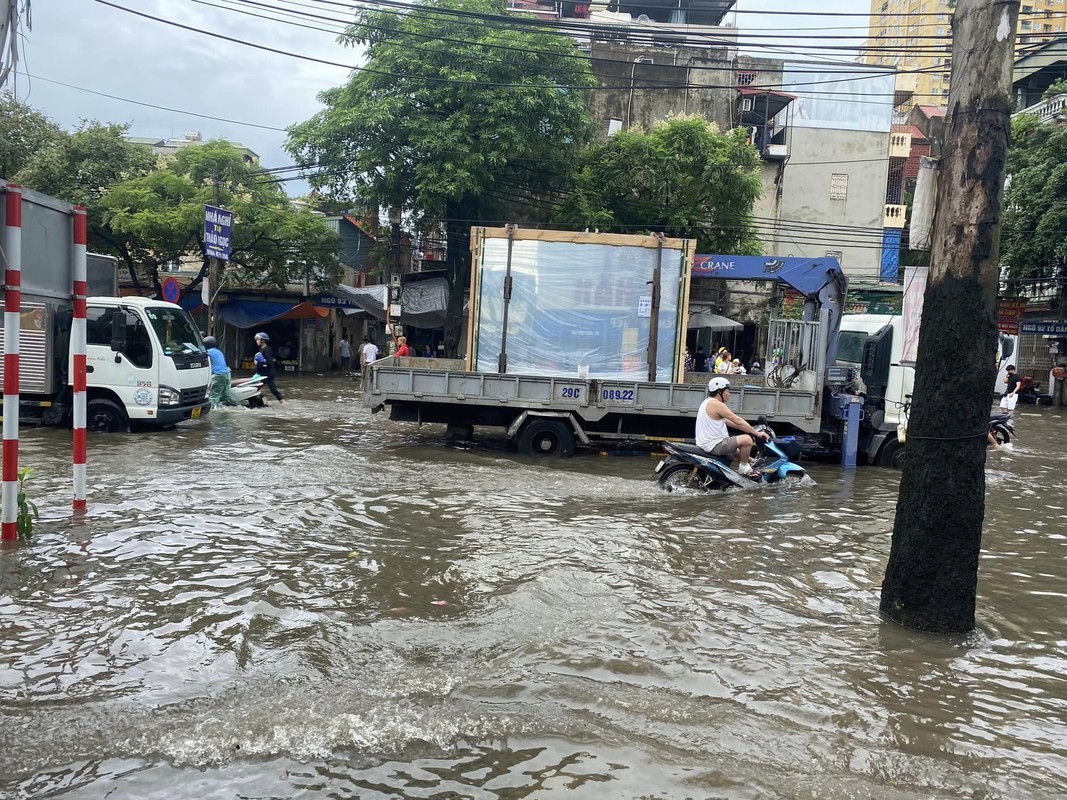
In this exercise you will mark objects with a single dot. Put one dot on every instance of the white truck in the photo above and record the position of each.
(145, 363)
(873, 345)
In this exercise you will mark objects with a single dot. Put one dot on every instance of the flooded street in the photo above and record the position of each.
(309, 601)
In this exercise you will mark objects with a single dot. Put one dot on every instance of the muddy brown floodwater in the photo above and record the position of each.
(310, 601)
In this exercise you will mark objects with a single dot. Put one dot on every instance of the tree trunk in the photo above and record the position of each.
(932, 576)
(459, 216)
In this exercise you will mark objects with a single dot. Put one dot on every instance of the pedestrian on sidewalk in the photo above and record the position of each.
(346, 354)
(1011, 393)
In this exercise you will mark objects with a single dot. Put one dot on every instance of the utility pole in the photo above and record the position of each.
(392, 294)
(213, 268)
(931, 579)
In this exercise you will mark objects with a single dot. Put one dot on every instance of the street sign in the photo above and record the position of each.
(1043, 328)
(1009, 314)
(171, 290)
(217, 223)
(332, 301)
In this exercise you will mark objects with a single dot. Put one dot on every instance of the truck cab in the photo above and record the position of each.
(145, 364)
(873, 344)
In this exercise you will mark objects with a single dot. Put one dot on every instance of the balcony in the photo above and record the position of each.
(899, 145)
(764, 113)
(894, 216)
(1052, 110)
(907, 86)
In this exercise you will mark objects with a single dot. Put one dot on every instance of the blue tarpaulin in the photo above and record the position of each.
(191, 301)
(249, 313)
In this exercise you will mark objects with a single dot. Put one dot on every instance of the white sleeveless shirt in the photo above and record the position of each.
(709, 432)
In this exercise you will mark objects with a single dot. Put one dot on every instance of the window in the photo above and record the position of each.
(98, 325)
(138, 344)
(175, 330)
(839, 186)
(850, 346)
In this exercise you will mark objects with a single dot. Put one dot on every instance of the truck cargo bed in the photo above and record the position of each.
(606, 408)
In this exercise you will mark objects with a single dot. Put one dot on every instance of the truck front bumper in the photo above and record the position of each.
(172, 416)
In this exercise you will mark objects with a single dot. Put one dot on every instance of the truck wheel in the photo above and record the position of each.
(105, 416)
(547, 437)
(892, 455)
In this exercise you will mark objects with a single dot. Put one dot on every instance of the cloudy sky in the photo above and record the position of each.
(99, 47)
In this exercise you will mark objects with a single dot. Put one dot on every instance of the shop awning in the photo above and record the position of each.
(305, 310)
(423, 303)
(250, 313)
(713, 322)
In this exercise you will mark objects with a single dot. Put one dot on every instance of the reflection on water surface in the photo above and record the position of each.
(312, 602)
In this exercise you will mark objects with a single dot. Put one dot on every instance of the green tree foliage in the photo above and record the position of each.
(273, 242)
(684, 178)
(1034, 245)
(454, 118)
(80, 168)
(24, 131)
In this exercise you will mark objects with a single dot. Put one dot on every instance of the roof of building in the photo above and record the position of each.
(916, 134)
(932, 111)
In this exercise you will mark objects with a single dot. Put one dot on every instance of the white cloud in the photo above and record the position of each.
(101, 48)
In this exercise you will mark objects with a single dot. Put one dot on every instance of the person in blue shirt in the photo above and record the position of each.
(220, 375)
(265, 365)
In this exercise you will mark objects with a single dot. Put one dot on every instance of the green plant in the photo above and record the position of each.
(28, 513)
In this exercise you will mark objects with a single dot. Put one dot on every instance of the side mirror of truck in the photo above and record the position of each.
(118, 331)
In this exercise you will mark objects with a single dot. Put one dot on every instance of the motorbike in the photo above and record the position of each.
(690, 467)
(248, 391)
(1002, 426)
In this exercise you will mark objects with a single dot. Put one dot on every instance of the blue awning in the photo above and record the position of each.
(250, 313)
(191, 301)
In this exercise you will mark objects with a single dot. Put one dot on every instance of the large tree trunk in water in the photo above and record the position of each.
(459, 215)
(932, 577)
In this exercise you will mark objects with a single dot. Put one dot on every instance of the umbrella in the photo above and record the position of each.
(714, 322)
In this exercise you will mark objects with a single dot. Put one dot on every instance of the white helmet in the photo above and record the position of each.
(717, 385)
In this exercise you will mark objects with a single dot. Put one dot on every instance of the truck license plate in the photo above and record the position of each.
(196, 412)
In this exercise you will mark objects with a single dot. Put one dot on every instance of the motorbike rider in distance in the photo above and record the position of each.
(712, 435)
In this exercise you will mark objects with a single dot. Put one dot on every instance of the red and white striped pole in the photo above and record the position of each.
(78, 351)
(12, 320)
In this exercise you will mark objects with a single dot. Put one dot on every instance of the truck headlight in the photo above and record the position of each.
(169, 396)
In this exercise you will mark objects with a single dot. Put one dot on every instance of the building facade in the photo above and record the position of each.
(915, 36)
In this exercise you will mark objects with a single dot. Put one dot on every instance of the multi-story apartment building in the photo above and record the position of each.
(915, 36)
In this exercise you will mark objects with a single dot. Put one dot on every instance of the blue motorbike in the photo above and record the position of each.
(689, 467)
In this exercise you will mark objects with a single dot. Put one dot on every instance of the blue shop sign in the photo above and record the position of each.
(1043, 328)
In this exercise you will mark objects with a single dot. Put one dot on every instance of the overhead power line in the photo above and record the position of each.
(152, 105)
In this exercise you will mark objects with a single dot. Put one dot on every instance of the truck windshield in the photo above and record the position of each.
(175, 330)
(850, 346)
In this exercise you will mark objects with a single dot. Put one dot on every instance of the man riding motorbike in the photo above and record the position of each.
(712, 435)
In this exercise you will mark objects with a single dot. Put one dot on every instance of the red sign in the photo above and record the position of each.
(171, 290)
(1009, 314)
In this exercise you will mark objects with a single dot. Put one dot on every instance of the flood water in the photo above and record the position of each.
(309, 601)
